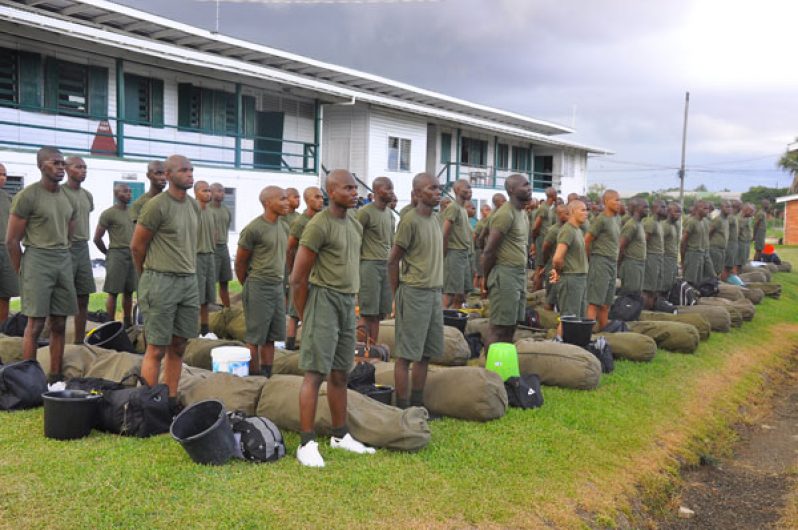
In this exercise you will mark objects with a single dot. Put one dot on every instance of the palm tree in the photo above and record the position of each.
(789, 162)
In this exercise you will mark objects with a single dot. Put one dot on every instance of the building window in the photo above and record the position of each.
(230, 202)
(544, 167)
(13, 185)
(9, 77)
(398, 154)
(213, 111)
(521, 158)
(446, 148)
(72, 85)
(503, 156)
(143, 100)
(474, 152)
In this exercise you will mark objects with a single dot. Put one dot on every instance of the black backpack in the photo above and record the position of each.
(475, 344)
(683, 294)
(615, 326)
(258, 438)
(93, 385)
(626, 307)
(601, 349)
(710, 287)
(140, 411)
(361, 378)
(524, 392)
(22, 385)
(15, 325)
(664, 306)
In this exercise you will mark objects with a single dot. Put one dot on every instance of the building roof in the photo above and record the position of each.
(788, 198)
(124, 27)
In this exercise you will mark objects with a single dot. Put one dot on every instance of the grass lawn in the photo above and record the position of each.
(584, 454)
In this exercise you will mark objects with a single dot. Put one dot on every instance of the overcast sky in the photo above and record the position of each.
(615, 69)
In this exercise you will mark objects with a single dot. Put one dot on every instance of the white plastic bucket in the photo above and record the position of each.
(231, 360)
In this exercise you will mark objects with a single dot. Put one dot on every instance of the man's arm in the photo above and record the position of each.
(305, 258)
(447, 229)
(243, 256)
(622, 249)
(489, 253)
(588, 242)
(14, 234)
(139, 245)
(558, 261)
(396, 255)
(99, 232)
(290, 252)
(683, 245)
(71, 228)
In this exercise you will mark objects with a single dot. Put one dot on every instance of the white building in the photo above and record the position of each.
(120, 87)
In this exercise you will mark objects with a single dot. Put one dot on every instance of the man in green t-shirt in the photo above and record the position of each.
(694, 247)
(760, 228)
(745, 234)
(549, 247)
(719, 238)
(670, 239)
(375, 299)
(9, 283)
(601, 247)
(325, 281)
(655, 252)
(457, 280)
(544, 217)
(407, 207)
(314, 203)
(79, 241)
(479, 240)
(260, 265)
(504, 261)
(120, 274)
(221, 254)
(472, 257)
(418, 250)
(569, 265)
(42, 217)
(287, 220)
(632, 249)
(164, 248)
(157, 178)
(732, 246)
(206, 266)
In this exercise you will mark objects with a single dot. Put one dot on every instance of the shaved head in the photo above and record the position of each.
(309, 193)
(74, 160)
(174, 162)
(551, 192)
(46, 153)
(336, 178)
(574, 206)
(380, 183)
(200, 185)
(120, 187)
(269, 193)
(292, 192)
(421, 180)
(216, 186)
(154, 166)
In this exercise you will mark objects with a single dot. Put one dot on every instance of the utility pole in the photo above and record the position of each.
(684, 148)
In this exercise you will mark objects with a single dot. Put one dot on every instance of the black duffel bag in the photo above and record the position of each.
(140, 411)
(22, 385)
(93, 385)
(524, 392)
(626, 307)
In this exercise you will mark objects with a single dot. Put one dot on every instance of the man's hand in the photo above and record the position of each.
(554, 276)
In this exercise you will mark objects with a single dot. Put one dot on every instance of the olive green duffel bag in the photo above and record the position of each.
(77, 359)
(754, 294)
(456, 351)
(718, 317)
(755, 274)
(785, 266)
(286, 362)
(694, 319)
(236, 393)
(115, 365)
(11, 349)
(744, 307)
(228, 323)
(773, 290)
(730, 292)
(676, 337)
(631, 346)
(198, 351)
(559, 364)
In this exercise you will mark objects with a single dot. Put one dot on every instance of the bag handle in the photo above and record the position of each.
(138, 378)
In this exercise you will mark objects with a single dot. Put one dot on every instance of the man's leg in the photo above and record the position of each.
(31, 336)
(401, 369)
(419, 380)
(80, 318)
(372, 325)
(308, 399)
(110, 306)
(127, 309)
(173, 364)
(603, 316)
(151, 364)
(497, 333)
(266, 354)
(3, 309)
(224, 293)
(336, 397)
(204, 328)
(57, 340)
(290, 338)
(254, 359)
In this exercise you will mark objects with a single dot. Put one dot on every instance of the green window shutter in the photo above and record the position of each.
(132, 98)
(219, 112)
(248, 102)
(51, 84)
(98, 92)
(156, 102)
(184, 97)
(9, 77)
(230, 114)
(446, 148)
(30, 80)
(206, 110)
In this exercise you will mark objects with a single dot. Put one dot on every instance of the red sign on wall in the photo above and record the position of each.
(104, 143)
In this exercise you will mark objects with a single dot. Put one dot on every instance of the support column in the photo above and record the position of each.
(317, 137)
(120, 108)
(239, 125)
(496, 158)
(457, 154)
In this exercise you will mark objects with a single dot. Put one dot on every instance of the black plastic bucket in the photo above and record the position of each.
(112, 336)
(70, 414)
(455, 318)
(577, 330)
(205, 433)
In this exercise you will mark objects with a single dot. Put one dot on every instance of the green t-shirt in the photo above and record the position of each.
(406, 208)
(606, 234)
(705, 233)
(481, 226)
(575, 258)
(138, 205)
(337, 245)
(546, 215)
(670, 238)
(514, 225)
(85, 204)
(5, 210)
(48, 215)
(377, 232)
(267, 242)
(119, 226)
(760, 224)
(635, 237)
(746, 231)
(206, 231)
(653, 230)
(551, 239)
(460, 232)
(422, 240)
(734, 228)
(720, 235)
(288, 220)
(695, 234)
(174, 225)
(298, 226)
(221, 222)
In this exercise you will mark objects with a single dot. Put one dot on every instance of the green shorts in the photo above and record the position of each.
(170, 305)
(670, 270)
(718, 257)
(375, 297)
(477, 254)
(291, 309)
(81, 268)
(328, 331)
(743, 252)
(631, 273)
(264, 310)
(731, 254)
(601, 280)
(652, 278)
(694, 267)
(419, 323)
(9, 281)
(206, 278)
(759, 243)
(48, 285)
(507, 295)
(457, 272)
(572, 295)
(120, 274)
(551, 290)
(221, 257)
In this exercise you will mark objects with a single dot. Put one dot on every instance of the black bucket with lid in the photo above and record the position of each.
(70, 414)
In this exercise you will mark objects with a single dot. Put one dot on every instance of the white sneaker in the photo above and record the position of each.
(350, 444)
(308, 455)
(210, 335)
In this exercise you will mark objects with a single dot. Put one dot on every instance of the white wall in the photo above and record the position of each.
(345, 138)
